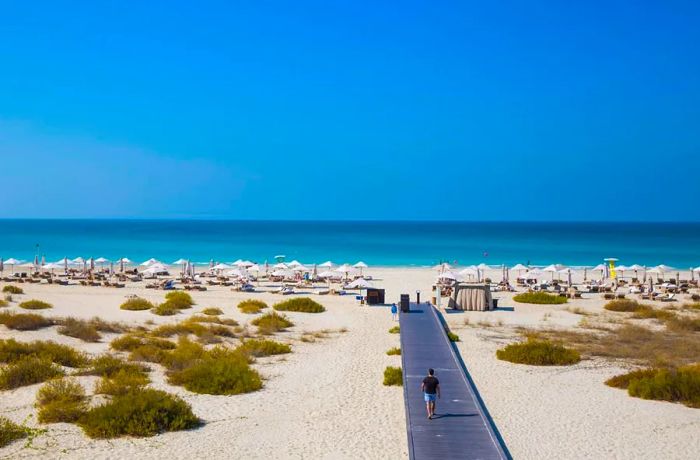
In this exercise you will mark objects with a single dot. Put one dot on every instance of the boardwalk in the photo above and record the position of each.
(462, 428)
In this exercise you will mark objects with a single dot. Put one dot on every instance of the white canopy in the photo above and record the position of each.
(78, 260)
(696, 269)
(125, 260)
(360, 283)
(553, 268)
(52, 266)
(519, 267)
(599, 267)
(301, 268)
(621, 268)
(283, 272)
(345, 268)
(180, 262)
(326, 264)
(443, 266)
(294, 263)
(566, 271)
(221, 266)
(13, 261)
(150, 262)
(468, 272)
(635, 267)
(663, 268)
(533, 274)
(238, 263)
(101, 260)
(254, 268)
(240, 272)
(281, 265)
(483, 266)
(28, 265)
(360, 264)
(447, 276)
(329, 274)
(157, 268)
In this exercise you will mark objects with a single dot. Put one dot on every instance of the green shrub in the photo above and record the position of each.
(148, 353)
(28, 371)
(11, 289)
(11, 432)
(4, 303)
(141, 413)
(24, 321)
(251, 306)
(61, 400)
(79, 329)
(393, 351)
(395, 330)
(263, 347)
(121, 382)
(300, 304)
(540, 298)
(212, 319)
(35, 305)
(213, 311)
(271, 322)
(675, 385)
(181, 328)
(126, 343)
(624, 305)
(393, 376)
(12, 351)
(165, 309)
(452, 336)
(108, 366)
(179, 299)
(185, 355)
(136, 303)
(107, 326)
(219, 372)
(647, 312)
(538, 353)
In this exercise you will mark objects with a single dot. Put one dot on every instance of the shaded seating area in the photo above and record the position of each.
(471, 297)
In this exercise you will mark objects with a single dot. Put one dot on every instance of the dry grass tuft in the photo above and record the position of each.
(251, 306)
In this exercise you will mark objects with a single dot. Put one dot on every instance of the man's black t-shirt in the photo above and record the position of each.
(430, 385)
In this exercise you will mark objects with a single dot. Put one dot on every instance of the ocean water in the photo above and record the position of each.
(376, 243)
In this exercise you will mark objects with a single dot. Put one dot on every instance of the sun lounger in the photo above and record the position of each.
(666, 297)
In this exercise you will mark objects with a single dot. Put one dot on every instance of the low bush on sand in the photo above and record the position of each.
(452, 336)
(218, 372)
(624, 305)
(393, 376)
(662, 384)
(300, 304)
(540, 298)
(212, 311)
(251, 306)
(11, 432)
(108, 366)
(121, 382)
(11, 289)
(206, 334)
(395, 330)
(185, 355)
(136, 303)
(538, 353)
(24, 321)
(263, 347)
(271, 322)
(12, 351)
(213, 320)
(79, 329)
(647, 312)
(35, 305)
(4, 303)
(393, 351)
(130, 342)
(61, 400)
(179, 299)
(165, 309)
(28, 371)
(144, 412)
(683, 323)
(107, 326)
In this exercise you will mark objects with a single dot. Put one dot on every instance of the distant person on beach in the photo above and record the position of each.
(394, 311)
(431, 391)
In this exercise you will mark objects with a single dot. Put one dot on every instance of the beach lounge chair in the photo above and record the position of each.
(667, 297)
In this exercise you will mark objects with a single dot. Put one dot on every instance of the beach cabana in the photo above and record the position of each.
(471, 297)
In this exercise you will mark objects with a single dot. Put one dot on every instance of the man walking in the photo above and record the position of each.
(431, 390)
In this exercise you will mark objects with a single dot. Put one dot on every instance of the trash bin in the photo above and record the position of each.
(405, 303)
(495, 303)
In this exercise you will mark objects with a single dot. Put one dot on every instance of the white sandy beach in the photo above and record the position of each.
(326, 399)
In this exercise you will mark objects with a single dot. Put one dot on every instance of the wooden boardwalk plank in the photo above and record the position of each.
(462, 428)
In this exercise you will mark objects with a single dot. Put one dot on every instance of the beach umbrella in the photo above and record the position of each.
(442, 267)
(254, 268)
(651, 284)
(280, 266)
(519, 268)
(2, 265)
(294, 263)
(238, 263)
(285, 273)
(300, 268)
(315, 271)
(78, 261)
(280, 258)
(92, 263)
(468, 272)
(221, 266)
(36, 262)
(678, 278)
(211, 263)
(101, 260)
(551, 269)
(329, 274)
(179, 262)
(149, 262)
(126, 260)
(600, 267)
(360, 283)
(239, 272)
(326, 264)
(111, 268)
(43, 260)
(267, 266)
(448, 275)
(635, 268)
(622, 269)
(361, 265)
(12, 262)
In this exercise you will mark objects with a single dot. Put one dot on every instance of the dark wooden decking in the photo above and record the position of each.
(462, 428)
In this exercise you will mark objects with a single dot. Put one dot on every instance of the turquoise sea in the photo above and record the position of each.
(376, 243)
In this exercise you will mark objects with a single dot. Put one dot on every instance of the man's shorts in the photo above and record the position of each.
(429, 397)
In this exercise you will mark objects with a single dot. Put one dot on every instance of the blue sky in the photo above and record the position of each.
(374, 110)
